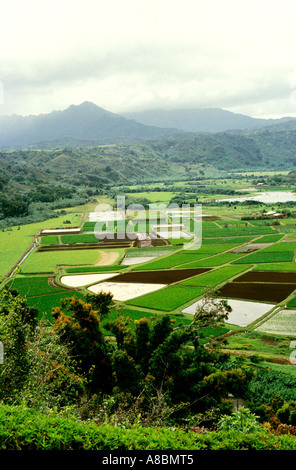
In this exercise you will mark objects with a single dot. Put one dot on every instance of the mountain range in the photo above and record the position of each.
(202, 120)
(85, 150)
(87, 125)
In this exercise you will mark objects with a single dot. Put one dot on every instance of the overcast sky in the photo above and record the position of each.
(129, 55)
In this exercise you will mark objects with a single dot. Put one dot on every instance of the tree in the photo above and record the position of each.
(209, 312)
(174, 362)
(165, 367)
(101, 303)
(36, 368)
(17, 324)
(80, 327)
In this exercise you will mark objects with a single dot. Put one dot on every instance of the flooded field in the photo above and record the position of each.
(61, 231)
(123, 291)
(104, 216)
(266, 197)
(173, 234)
(243, 312)
(282, 323)
(149, 254)
(80, 280)
(128, 261)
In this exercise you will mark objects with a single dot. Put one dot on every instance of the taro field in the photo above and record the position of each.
(250, 264)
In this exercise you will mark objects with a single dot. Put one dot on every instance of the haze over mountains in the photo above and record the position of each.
(88, 124)
(86, 146)
(202, 120)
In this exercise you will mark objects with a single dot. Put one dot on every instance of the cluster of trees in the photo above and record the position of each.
(19, 205)
(13, 207)
(48, 193)
(150, 372)
(152, 369)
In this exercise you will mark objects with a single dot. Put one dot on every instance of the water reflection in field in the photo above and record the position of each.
(282, 323)
(243, 312)
(266, 197)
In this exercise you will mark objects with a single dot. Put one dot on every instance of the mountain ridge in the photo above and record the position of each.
(203, 119)
(90, 125)
(86, 121)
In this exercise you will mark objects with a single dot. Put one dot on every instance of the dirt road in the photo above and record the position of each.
(107, 258)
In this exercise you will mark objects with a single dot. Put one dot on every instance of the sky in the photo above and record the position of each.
(133, 55)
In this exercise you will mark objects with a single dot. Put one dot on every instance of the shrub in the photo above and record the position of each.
(287, 413)
(36, 368)
(241, 420)
(22, 428)
(285, 429)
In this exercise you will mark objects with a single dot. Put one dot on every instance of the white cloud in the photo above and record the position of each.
(143, 54)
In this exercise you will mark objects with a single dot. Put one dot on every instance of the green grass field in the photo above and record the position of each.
(45, 303)
(269, 257)
(230, 240)
(275, 267)
(212, 261)
(167, 299)
(47, 262)
(292, 303)
(288, 229)
(14, 242)
(281, 246)
(214, 277)
(33, 285)
(94, 269)
(269, 238)
(49, 240)
(154, 196)
(79, 238)
(171, 261)
(233, 231)
(259, 343)
(215, 249)
(88, 226)
(179, 241)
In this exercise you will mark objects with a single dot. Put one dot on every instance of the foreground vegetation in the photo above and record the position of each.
(70, 388)
(23, 428)
(89, 372)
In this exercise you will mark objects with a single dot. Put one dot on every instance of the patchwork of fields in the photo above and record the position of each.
(250, 264)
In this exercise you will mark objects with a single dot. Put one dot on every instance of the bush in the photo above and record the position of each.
(287, 413)
(241, 420)
(22, 428)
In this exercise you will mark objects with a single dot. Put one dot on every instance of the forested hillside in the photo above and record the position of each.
(63, 176)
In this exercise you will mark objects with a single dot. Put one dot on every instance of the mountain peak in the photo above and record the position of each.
(85, 121)
(89, 107)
